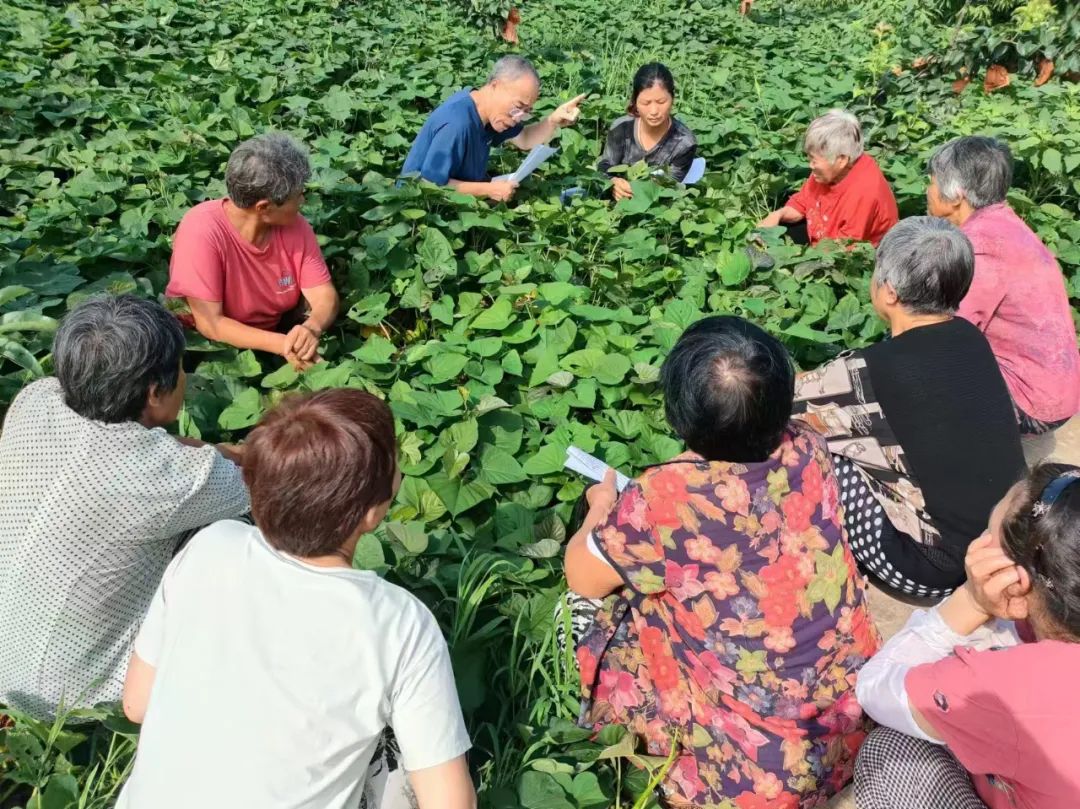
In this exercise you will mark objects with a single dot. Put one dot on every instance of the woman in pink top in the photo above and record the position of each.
(978, 711)
(1018, 298)
(244, 262)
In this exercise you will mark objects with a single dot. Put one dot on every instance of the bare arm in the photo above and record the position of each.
(446, 786)
(535, 134)
(585, 574)
(783, 215)
(137, 687)
(543, 131)
(496, 190)
(211, 322)
(323, 303)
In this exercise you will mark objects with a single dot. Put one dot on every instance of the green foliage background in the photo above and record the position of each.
(500, 335)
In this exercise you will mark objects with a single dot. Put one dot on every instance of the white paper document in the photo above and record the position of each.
(591, 467)
(533, 160)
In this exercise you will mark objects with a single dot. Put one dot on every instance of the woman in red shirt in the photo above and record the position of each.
(846, 196)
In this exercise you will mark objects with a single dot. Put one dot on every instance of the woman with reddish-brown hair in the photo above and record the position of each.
(299, 662)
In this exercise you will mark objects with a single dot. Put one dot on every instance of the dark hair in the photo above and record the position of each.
(648, 76)
(728, 389)
(928, 262)
(1046, 542)
(109, 352)
(316, 464)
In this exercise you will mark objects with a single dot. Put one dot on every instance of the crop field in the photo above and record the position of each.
(500, 335)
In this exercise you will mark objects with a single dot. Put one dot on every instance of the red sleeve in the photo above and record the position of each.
(888, 215)
(869, 214)
(800, 200)
(197, 267)
(959, 698)
(313, 271)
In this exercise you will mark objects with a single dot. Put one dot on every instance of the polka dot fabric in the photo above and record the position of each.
(866, 524)
(90, 515)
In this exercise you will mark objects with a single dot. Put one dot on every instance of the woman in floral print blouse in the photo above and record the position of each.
(736, 622)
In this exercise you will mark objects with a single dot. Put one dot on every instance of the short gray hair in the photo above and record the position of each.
(928, 262)
(834, 134)
(977, 168)
(109, 351)
(271, 166)
(512, 68)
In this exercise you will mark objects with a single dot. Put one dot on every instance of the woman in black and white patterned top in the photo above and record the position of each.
(649, 132)
(95, 496)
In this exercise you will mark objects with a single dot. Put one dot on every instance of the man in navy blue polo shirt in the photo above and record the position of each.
(455, 142)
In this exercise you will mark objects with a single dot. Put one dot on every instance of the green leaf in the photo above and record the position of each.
(555, 292)
(734, 268)
(1051, 160)
(410, 535)
(587, 792)
(20, 355)
(283, 377)
(462, 435)
(511, 362)
(549, 459)
(242, 412)
(498, 467)
(538, 790)
(377, 350)
(446, 366)
(338, 103)
(607, 369)
(459, 497)
(848, 314)
(369, 554)
(546, 548)
(435, 253)
(496, 317)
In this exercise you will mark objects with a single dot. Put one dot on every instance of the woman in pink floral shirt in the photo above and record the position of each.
(736, 621)
(1018, 298)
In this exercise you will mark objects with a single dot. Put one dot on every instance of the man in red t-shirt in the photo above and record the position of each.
(846, 196)
(245, 261)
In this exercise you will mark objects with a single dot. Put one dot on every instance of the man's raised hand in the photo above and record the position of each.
(567, 113)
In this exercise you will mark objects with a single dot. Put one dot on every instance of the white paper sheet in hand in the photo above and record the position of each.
(591, 467)
(533, 160)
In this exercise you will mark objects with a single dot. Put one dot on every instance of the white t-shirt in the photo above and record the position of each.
(276, 678)
(90, 516)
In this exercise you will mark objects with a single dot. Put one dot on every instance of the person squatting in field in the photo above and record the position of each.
(454, 144)
(921, 426)
(648, 131)
(730, 552)
(95, 497)
(977, 698)
(846, 196)
(248, 265)
(1018, 297)
(302, 661)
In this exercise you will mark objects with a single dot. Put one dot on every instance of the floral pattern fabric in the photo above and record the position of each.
(739, 631)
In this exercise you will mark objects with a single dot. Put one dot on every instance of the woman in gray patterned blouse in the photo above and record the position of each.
(649, 132)
(94, 498)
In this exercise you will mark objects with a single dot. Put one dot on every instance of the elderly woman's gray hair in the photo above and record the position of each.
(977, 168)
(928, 262)
(109, 352)
(512, 68)
(271, 166)
(835, 134)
